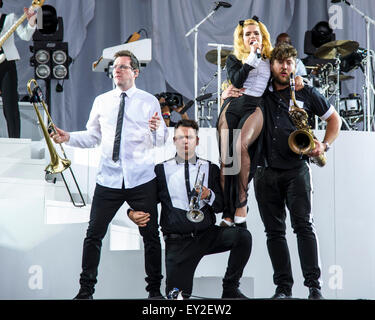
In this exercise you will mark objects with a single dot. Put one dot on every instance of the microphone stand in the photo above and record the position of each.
(195, 30)
(368, 87)
(201, 112)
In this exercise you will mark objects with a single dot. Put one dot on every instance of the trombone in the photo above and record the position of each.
(57, 164)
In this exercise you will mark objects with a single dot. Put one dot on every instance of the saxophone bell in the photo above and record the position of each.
(301, 141)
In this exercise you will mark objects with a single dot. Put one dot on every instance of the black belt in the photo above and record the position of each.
(174, 236)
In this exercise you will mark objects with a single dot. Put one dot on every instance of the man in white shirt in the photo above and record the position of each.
(126, 121)
(8, 70)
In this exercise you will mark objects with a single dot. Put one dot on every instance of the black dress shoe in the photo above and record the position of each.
(155, 295)
(315, 294)
(83, 295)
(282, 293)
(233, 294)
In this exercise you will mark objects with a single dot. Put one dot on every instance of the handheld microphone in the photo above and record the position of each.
(257, 51)
(222, 4)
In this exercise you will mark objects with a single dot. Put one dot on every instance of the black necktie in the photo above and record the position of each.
(120, 118)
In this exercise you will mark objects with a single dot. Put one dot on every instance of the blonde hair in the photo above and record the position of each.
(240, 51)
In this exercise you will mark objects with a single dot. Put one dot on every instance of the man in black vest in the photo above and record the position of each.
(187, 241)
(8, 70)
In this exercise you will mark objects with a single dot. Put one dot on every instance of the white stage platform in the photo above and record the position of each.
(41, 233)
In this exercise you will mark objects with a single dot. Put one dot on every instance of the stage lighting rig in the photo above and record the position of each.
(50, 58)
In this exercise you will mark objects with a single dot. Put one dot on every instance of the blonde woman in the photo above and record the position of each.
(248, 68)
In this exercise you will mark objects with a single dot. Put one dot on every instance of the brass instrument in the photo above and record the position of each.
(57, 164)
(3, 38)
(195, 214)
(301, 141)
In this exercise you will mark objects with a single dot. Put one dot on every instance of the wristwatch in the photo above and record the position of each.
(328, 146)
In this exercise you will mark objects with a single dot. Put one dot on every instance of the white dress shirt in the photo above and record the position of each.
(136, 161)
(24, 32)
(257, 79)
(175, 175)
(300, 68)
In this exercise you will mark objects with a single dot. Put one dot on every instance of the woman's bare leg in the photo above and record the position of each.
(249, 133)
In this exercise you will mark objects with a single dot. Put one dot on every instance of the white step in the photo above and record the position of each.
(124, 238)
(57, 191)
(63, 212)
(15, 148)
(22, 168)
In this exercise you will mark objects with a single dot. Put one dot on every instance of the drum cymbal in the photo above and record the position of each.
(331, 49)
(342, 77)
(211, 56)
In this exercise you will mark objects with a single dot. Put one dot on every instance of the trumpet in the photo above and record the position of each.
(57, 164)
(301, 141)
(194, 213)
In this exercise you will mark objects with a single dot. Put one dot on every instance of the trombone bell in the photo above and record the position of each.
(58, 167)
(57, 164)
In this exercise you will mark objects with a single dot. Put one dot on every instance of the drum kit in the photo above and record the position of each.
(342, 56)
(205, 102)
(338, 57)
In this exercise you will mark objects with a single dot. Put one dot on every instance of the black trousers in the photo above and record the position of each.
(106, 203)
(275, 188)
(9, 93)
(183, 255)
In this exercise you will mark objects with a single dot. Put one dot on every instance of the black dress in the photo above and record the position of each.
(233, 115)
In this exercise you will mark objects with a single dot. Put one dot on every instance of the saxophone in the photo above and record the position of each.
(301, 141)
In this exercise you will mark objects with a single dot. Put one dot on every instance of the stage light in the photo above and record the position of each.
(60, 72)
(320, 34)
(59, 57)
(51, 58)
(42, 71)
(42, 56)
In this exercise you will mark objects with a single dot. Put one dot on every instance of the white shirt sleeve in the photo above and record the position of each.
(160, 136)
(25, 32)
(212, 199)
(252, 60)
(91, 137)
(325, 116)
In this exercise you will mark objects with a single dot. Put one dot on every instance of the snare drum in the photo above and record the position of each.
(351, 106)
